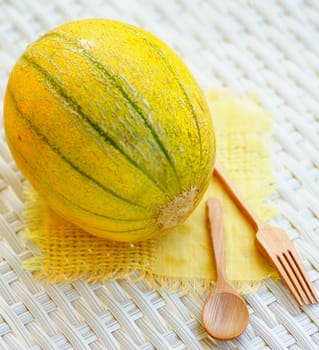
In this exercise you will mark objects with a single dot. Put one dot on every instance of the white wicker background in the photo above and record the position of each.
(267, 46)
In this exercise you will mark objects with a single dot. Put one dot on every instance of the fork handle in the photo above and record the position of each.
(240, 202)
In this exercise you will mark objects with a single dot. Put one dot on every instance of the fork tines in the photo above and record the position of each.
(296, 278)
(278, 249)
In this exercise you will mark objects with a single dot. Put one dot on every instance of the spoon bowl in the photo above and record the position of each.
(225, 314)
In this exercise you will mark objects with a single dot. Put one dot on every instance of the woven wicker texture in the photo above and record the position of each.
(269, 47)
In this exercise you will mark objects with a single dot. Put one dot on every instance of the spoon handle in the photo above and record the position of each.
(241, 203)
(216, 223)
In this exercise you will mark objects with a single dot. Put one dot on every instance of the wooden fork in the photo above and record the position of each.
(275, 245)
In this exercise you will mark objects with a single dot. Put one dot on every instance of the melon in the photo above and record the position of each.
(108, 124)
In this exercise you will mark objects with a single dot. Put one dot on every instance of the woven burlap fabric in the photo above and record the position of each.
(183, 258)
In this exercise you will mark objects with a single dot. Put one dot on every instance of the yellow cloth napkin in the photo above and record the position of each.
(184, 257)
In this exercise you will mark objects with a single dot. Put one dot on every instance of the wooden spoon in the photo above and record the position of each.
(225, 314)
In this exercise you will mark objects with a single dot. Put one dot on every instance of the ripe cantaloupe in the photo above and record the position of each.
(109, 125)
